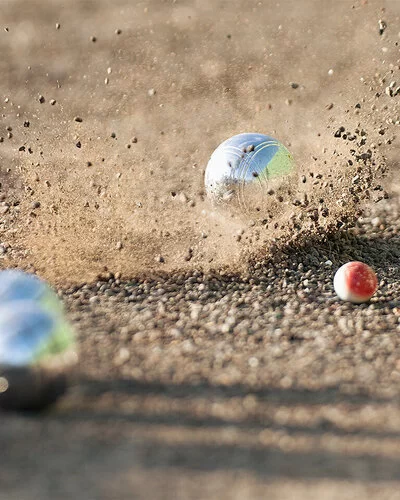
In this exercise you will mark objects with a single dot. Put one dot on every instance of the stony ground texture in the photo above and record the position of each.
(220, 386)
(238, 382)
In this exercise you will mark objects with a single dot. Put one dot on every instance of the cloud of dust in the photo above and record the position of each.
(122, 187)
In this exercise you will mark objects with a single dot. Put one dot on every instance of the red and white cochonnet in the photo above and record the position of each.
(355, 282)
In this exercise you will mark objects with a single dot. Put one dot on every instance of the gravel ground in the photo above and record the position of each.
(235, 329)
(218, 386)
(239, 382)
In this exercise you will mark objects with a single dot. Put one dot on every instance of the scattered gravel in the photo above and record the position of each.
(287, 302)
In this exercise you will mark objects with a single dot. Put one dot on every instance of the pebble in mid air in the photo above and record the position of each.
(355, 282)
(242, 168)
(37, 345)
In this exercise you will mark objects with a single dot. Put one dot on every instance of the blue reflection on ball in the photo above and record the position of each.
(243, 165)
(25, 330)
(18, 285)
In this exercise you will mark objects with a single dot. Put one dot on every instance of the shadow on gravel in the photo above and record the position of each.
(123, 450)
(378, 250)
(272, 463)
(375, 249)
(178, 420)
(121, 390)
(105, 453)
(331, 395)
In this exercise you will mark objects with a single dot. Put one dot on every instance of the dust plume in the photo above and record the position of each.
(114, 109)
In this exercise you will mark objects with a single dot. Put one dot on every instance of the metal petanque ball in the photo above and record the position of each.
(243, 168)
(19, 285)
(16, 285)
(37, 345)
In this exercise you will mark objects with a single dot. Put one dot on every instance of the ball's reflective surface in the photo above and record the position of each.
(37, 345)
(25, 329)
(30, 335)
(243, 167)
(19, 285)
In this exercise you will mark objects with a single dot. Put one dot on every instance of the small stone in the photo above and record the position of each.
(78, 119)
(151, 92)
(119, 245)
(253, 362)
(189, 255)
(376, 222)
(122, 356)
(183, 198)
(53, 102)
(41, 99)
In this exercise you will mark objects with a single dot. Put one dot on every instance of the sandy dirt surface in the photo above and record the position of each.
(180, 78)
(208, 370)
